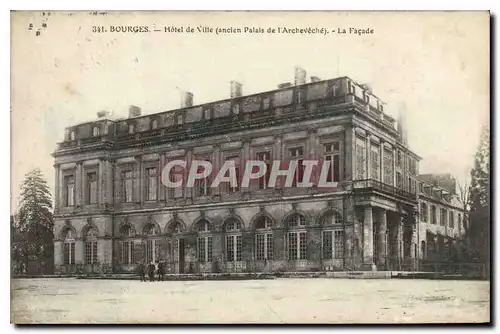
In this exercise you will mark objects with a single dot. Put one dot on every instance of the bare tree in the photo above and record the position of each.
(464, 198)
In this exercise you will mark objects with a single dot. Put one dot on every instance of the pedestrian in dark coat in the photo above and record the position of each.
(142, 271)
(151, 271)
(161, 270)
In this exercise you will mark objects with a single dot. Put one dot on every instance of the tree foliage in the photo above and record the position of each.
(479, 199)
(32, 227)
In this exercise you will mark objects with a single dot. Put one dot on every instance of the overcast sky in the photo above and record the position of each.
(436, 63)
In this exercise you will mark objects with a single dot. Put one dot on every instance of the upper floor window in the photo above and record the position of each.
(69, 189)
(266, 158)
(95, 131)
(332, 154)
(127, 186)
(452, 219)
(297, 154)
(176, 175)
(375, 162)
(399, 180)
(352, 89)
(151, 184)
(131, 128)
(154, 124)
(72, 135)
(91, 190)
(433, 214)
(444, 217)
(399, 159)
(388, 167)
(202, 186)
(424, 212)
(230, 187)
(360, 159)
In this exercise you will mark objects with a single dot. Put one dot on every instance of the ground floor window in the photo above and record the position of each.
(151, 251)
(297, 245)
(91, 252)
(204, 246)
(128, 252)
(69, 253)
(333, 244)
(233, 248)
(264, 246)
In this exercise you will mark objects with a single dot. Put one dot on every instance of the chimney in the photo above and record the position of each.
(315, 78)
(300, 76)
(103, 114)
(284, 85)
(368, 88)
(236, 89)
(186, 100)
(134, 111)
(401, 123)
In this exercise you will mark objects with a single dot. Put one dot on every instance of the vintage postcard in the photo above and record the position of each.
(250, 167)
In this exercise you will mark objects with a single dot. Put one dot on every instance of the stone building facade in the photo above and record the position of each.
(112, 211)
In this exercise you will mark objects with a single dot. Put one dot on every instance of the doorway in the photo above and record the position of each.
(181, 256)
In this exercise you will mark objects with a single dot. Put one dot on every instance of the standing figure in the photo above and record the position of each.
(142, 271)
(151, 271)
(161, 270)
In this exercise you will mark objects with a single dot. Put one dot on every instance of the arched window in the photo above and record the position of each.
(69, 247)
(332, 241)
(204, 241)
(150, 229)
(91, 246)
(232, 229)
(263, 238)
(331, 218)
(95, 131)
(127, 245)
(296, 220)
(297, 237)
(175, 227)
(152, 250)
(154, 124)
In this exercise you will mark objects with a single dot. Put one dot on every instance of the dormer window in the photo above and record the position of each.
(236, 109)
(180, 119)
(154, 124)
(95, 131)
(131, 128)
(72, 135)
(206, 114)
